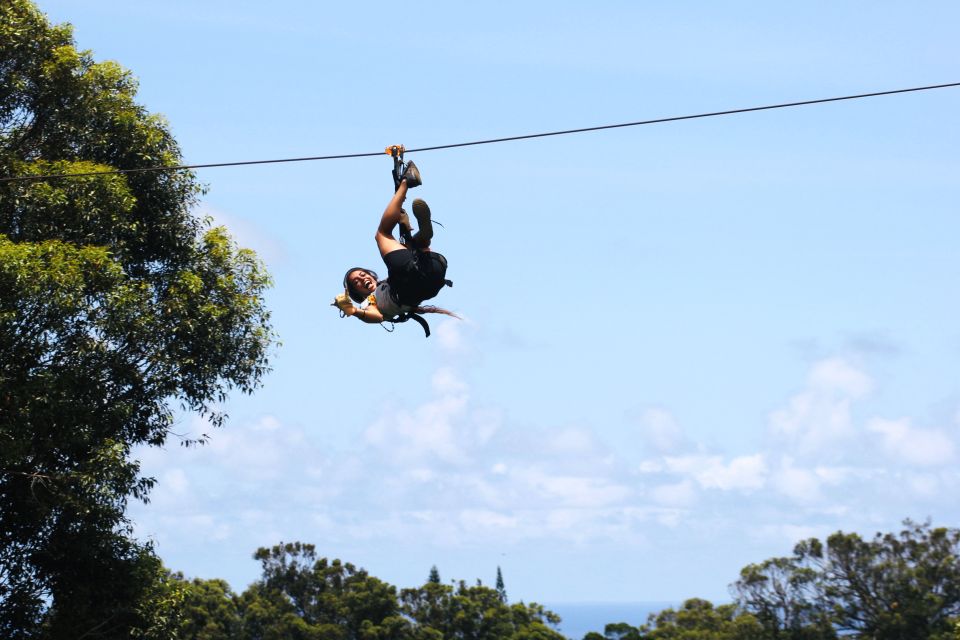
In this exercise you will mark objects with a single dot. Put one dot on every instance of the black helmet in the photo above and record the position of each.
(357, 296)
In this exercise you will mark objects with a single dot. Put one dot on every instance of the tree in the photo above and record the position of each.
(621, 631)
(301, 595)
(434, 575)
(904, 585)
(429, 607)
(699, 619)
(501, 588)
(534, 622)
(786, 597)
(209, 611)
(474, 613)
(117, 305)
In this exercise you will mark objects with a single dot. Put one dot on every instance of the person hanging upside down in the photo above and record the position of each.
(415, 272)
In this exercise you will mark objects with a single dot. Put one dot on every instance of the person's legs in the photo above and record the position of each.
(405, 229)
(391, 216)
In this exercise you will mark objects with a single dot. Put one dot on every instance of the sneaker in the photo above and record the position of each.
(425, 233)
(421, 211)
(412, 175)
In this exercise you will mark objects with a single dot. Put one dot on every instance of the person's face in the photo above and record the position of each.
(362, 281)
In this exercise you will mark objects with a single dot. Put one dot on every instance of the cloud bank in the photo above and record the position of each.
(449, 472)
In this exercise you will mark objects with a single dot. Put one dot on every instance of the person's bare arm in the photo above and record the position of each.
(369, 314)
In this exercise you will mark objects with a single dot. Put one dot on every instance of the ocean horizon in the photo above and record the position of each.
(580, 618)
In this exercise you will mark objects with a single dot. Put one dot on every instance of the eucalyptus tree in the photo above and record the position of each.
(892, 586)
(117, 307)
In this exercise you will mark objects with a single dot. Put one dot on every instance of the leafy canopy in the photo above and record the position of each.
(117, 306)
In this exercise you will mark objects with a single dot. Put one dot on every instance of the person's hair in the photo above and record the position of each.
(429, 308)
(355, 294)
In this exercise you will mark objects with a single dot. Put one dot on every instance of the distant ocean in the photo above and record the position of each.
(579, 618)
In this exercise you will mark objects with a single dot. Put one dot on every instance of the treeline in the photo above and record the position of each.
(895, 586)
(302, 597)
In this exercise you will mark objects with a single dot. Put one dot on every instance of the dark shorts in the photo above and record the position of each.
(415, 276)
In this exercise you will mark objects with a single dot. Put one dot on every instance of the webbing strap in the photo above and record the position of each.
(416, 317)
(419, 319)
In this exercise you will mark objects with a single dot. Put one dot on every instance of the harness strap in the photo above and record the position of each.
(416, 317)
(419, 319)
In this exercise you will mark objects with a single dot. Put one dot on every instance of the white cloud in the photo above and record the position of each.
(574, 491)
(798, 484)
(651, 466)
(449, 333)
(208, 526)
(261, 450)
(446, 381)
(711, 472)
(679, 494)
(267, 423)
(819, 418)
(902, 441)
(473, 519)
(430, 431)
(660, 431)
(452, 475)
(572, 440)
(835, 375)
(745, 472)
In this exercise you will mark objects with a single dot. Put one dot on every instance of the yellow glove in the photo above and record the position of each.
(344, 303)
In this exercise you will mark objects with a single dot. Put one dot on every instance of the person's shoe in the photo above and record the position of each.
(412, 175)
(422, 213)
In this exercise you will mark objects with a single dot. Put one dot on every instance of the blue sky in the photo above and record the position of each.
(684, 347)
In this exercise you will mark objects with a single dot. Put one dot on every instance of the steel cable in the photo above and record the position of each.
(638, 123)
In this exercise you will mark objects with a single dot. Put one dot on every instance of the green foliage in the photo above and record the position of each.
(301, 596)
(785, 595)
(474, 613)
(893, 586)
(621, 631)
(696, 620)
(500, 586)
(116, 306)
(700, 620)
(814, 595)
(904, 585)
(209, 611)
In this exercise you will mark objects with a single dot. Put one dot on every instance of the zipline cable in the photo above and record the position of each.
(691, 117)
(638, 123)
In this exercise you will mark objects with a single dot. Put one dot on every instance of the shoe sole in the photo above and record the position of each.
(421, 211)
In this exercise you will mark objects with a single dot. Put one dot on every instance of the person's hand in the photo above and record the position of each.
(344, 303)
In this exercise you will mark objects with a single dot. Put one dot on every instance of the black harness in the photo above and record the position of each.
(412, 294)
